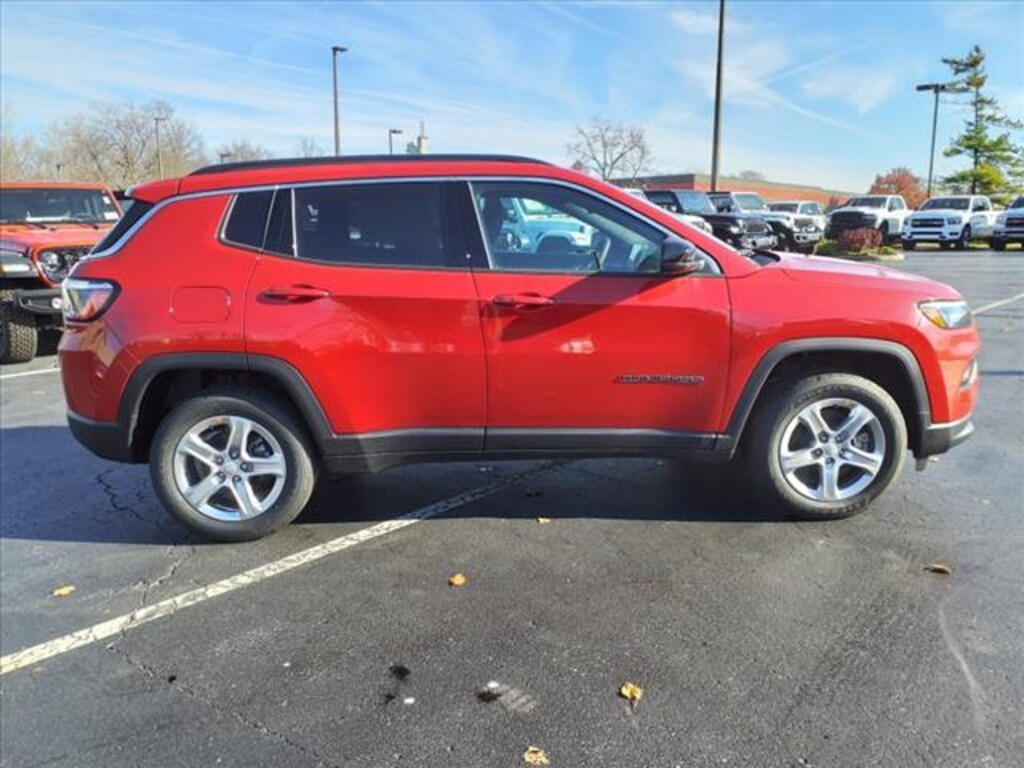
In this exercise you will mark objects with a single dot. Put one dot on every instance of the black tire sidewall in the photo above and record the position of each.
(785, 403)
(19, 337)
(299, 482)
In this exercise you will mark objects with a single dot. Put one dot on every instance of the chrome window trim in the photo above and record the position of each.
(460, 178)
(716, 270)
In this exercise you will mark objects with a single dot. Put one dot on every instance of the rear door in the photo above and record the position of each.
(589, 346)
(364, 288)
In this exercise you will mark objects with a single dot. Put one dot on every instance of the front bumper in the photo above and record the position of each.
(1014, 235)
(755, 242)
(945, 234)
(45, 302)
(806, 236)
(939, 438)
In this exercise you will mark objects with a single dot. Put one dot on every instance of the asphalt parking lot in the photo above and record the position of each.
(756, 641)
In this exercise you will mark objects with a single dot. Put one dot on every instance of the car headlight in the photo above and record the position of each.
(735, 229)
(954, 220)
(53, 265)
(1001, 219)
(947, 314)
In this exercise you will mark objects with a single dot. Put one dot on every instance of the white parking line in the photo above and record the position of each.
(994, 304)
(169, 607)
(28, 373)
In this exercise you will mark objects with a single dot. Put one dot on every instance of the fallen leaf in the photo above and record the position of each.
(535, 756)
(543, 520)
(942, 568)
(63, 591)
(456, 580)
(631, 691)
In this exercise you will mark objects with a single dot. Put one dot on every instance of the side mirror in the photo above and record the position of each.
(679, 257)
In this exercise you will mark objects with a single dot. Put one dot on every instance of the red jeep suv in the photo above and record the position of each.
(250, 324)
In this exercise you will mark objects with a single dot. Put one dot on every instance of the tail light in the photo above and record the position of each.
(85, 300)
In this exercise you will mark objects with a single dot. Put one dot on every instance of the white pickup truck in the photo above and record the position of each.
(952, 221)
(886, 213)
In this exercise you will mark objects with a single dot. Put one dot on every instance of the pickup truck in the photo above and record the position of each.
(886, 213)
(739, 229)
(692, 219)
(1009, 225)
(952, 221)
(794, 233)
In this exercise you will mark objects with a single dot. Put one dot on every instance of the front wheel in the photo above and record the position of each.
(909, 245)
(998, 245)
(233, 464)
(964, 241)
(827, 445)
(19, 337)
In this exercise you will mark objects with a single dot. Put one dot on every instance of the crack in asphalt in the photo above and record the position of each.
(115, 502)
(220, 711)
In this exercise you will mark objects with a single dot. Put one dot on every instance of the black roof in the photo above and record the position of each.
(357, 159)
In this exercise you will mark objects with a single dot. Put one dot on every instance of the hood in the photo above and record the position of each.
(21, 237)
(932, 212)
(860, 209)
(816, 268)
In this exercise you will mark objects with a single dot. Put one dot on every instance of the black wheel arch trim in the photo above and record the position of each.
(777, 354)
(282, 372)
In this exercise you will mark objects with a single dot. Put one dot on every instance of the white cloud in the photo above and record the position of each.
(860, 88)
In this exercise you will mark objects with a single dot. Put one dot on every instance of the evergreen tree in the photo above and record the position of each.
(992, 156)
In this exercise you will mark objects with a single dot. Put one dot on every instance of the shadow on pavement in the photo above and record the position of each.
(55, 490)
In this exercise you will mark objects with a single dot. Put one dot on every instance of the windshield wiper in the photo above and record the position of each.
(37, 224)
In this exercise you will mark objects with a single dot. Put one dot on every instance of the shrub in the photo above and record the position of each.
(860, 240)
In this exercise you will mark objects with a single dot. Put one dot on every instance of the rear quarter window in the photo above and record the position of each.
(247, 219)
(134, 210)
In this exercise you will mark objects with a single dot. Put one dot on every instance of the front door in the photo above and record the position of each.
(586, 339)
(370, 298)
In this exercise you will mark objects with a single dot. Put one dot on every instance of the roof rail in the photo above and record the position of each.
(358, 159)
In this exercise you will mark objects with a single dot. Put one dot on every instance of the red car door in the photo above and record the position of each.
(586, 339)
(369, 297)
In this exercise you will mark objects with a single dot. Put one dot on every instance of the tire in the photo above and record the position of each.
(998, 245)
(276, 437)
(19, 338)
(909, 245)
(964, 241)
(884, 229)
(782, 424)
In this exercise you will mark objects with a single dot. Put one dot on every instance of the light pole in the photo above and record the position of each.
(716, 141)
(937, 88)
(335, 50)
(159, 153)
(392, 132)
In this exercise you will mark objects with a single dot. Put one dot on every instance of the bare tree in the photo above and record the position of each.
(611, 149)
(20, 156)
(310, 147)
(750, 175)
(240, 151)
(116, 143)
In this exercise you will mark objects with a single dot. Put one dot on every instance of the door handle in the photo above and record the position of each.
(295, 294)
(521, 300)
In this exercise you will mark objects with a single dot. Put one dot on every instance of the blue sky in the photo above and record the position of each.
(816, 91)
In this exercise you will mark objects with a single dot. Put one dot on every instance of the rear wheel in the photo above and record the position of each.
(232, 464)
(827, 445)
(19, 338)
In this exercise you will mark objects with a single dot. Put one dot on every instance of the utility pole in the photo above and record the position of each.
(335, 50)
(936, 88)
(159, 152)
(717, 140)
(392, 132)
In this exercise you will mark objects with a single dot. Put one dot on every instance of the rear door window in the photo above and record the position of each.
(394, 225)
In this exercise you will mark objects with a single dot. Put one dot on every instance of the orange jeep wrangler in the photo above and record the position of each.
(45, 227)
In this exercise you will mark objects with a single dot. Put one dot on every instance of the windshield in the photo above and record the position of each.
(49, 205)
(750, 202)
(783, 207)
(953, 203)
(1018, 203)
(867, 202)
